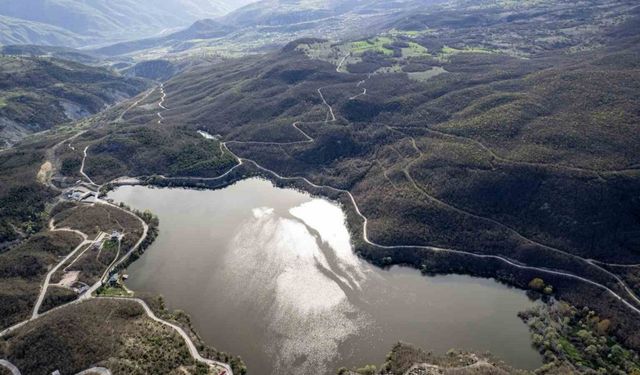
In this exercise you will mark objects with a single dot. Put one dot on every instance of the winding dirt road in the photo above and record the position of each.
(431, 248)
(84, 158)
(163, 96)
(365, 232)
(332, 118)
(9, 366)
(95, 370)
(47, 280)
(134, 104)
(588, 263)
(190, 345)
(88, 295)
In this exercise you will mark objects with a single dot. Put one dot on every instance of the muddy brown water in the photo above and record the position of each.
(269, 274)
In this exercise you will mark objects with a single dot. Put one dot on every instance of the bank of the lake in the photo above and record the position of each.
(269, 274)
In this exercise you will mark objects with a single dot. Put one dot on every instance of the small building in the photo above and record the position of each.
(78, 194)
(80, 287)
(113, 280)
(115, 235)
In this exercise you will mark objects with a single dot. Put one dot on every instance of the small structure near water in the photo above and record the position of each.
(116, 236)
(78, 194)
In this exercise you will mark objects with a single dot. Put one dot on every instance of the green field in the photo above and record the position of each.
(376, 44)
(414, 50)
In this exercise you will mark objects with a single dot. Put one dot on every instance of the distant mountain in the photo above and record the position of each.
(272, 23)
(63, 53)
(103, 21)
(38, 93)
(292, 12)
(203, 29)
(277, 12)
(18, 31)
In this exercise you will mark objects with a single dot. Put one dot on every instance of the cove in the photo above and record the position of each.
(269, 274)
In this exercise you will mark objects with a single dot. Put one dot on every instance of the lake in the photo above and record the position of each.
(269, 274)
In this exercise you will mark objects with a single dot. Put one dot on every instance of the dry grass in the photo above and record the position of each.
(114, 334)
(93, 219)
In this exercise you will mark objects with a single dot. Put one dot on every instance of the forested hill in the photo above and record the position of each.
(526, 152)
(40, 93)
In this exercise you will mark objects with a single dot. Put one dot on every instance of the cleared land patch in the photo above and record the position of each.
(22, 270)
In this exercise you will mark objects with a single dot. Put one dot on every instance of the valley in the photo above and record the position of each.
(456, 138)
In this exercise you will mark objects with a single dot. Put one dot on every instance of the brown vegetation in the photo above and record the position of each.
(114, 334)
(22, 271)
(92, 219)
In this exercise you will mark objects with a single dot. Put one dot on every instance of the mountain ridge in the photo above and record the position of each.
(101, 22)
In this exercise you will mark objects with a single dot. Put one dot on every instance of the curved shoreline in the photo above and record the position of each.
(365, 235)
(355, 217)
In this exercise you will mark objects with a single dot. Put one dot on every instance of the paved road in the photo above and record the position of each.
(324, 101)
(9, 366)
(342, 63)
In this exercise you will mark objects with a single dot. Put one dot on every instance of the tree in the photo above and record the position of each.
(617, 354)
(603, 327)
(537, 284)
(592, 351)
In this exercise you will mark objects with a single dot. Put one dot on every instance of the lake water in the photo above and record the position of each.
(269, 274)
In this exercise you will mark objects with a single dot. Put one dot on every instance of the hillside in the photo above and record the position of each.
(180, 40)
(40, 93)
(19, 31)
(525, 153)
(269, 24)
(62, 53)
(79, 23)
(492, 138)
